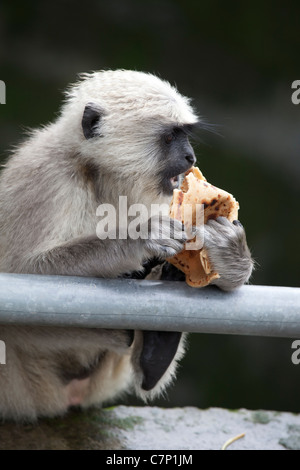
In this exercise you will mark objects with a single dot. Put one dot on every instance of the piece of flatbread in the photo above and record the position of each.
(216, 202)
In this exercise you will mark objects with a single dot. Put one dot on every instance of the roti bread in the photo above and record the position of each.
(195, 190)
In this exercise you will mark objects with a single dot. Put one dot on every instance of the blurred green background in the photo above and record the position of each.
(237, 60)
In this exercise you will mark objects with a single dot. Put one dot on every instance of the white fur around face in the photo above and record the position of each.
(126, 92)
(134, 105)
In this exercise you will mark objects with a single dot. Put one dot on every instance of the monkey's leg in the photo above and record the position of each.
(156, 350)
(50, 368)
(159, 349)
(154, 358)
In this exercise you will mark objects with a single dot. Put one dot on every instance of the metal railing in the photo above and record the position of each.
(148, 305)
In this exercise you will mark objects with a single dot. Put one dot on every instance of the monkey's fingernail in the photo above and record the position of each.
(238, 223)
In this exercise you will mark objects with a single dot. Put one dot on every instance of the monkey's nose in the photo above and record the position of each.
(190, 158)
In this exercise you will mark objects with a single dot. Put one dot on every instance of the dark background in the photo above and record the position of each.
(237, 61)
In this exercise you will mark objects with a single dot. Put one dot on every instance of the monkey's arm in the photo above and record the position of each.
(87, 256)
(228, 252)
(109, 258)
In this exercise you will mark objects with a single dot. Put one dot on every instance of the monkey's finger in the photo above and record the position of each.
(238, 223)
(219, 220)
(195, 232)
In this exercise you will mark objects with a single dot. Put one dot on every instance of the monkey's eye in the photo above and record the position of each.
(169, 137)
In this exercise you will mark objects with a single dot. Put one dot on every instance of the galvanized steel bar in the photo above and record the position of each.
(148, 305)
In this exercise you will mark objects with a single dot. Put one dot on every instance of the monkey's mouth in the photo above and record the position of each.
(174, 182)
(170, 182)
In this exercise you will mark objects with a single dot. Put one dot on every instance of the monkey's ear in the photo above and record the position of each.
(90, 120)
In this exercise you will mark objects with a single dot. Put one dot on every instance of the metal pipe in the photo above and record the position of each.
(148, 305)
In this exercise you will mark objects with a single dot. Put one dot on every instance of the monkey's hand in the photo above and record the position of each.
(166, 237)
(228, 252)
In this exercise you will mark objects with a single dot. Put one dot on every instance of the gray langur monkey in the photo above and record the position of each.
(119, 133)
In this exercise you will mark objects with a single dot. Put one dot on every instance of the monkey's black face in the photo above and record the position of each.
(178, 156)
